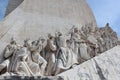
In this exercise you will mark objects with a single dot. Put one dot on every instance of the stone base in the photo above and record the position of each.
(30, 78)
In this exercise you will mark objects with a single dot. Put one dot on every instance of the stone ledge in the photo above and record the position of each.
(29, 78)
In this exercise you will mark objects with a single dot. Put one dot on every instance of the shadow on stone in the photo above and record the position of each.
(13, 4)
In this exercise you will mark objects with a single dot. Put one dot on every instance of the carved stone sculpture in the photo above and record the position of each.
(20, 65)
(93, 44)
(50, 55)
(61, 56)
(62, 51)
(34, 67)
(9, 55)
(76, 39)
(35, 49)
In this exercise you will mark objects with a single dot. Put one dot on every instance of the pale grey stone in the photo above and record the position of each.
(102, 67)
(73, 38)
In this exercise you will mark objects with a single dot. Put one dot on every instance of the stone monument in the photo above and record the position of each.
(45, 38)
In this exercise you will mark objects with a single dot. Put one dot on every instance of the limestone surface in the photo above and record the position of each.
(31, 19)
(102, 67)
(58, 19)
(61, 53)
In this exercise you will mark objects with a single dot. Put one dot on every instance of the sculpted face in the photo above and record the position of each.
(34, 43)
(42, 40)
(76, 30)
(50, 36)
(68, 43)
(13, 41)
(27, 43)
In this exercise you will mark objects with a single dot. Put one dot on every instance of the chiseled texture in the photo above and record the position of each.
(103, 67)
(35, 18)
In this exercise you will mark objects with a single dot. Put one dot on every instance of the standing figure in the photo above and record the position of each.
(34, 67)
(9, 54)
(65, 57)
(20, 66)
(35, 49)
(50, 57)
(71, 59)
(101, 43)
(114, 39)
(76, 39)
(61, 63)
(93, 43)
(84, 55)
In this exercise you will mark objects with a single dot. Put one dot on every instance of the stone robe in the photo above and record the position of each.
(75, 39)
(66, 58)
(93, 44)
(8, 54)
(51, 56)
(20, 65)
(37, 58)
(83, 51)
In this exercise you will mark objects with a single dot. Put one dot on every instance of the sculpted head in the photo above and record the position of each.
(57, 34)
(27, 43)
(42, 40)
(13, 40)
(50, 36)
(76, 30)
(34, 42)
(68, 43)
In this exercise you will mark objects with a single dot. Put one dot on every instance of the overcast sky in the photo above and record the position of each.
(104, 11)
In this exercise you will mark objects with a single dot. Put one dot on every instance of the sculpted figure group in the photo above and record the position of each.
(62, 51)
